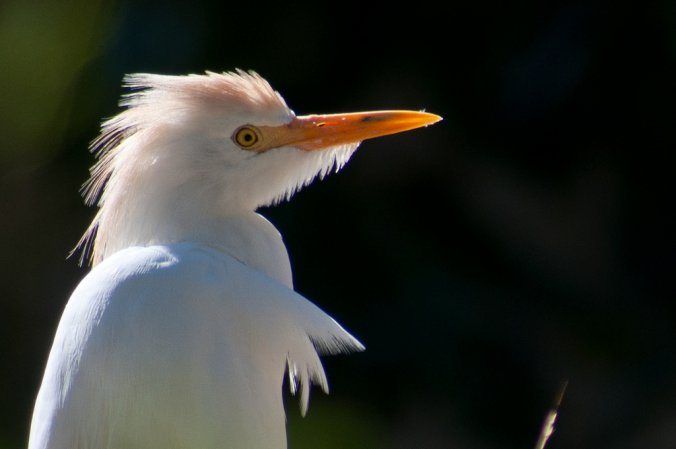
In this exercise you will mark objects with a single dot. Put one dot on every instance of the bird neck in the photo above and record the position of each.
(246, 236)
(251, 239)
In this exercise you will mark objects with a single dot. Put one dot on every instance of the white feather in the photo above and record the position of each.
(179, 346)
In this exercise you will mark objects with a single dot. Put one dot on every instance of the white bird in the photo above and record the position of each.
(182, 333)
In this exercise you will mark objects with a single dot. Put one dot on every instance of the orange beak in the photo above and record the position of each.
(318, 132)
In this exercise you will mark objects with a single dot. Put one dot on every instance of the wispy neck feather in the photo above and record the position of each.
(168, 170)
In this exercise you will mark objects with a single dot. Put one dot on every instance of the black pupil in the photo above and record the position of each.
(248, 137)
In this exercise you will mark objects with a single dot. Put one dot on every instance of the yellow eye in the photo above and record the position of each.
(246, 136)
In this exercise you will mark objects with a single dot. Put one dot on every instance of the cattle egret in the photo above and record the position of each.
(182, 333)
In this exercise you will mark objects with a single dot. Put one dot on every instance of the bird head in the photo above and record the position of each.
(216, 144)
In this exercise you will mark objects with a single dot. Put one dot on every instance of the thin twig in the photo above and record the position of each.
(550, 419)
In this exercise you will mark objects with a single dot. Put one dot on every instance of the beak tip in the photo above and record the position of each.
(433, 118)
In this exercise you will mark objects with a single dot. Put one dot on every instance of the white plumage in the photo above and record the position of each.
(181, 334)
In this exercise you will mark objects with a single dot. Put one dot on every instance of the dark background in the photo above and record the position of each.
(526, 239)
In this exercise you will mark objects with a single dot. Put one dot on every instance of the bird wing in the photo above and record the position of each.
(179, 346)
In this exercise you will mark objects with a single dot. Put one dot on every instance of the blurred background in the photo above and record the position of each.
(526, 239)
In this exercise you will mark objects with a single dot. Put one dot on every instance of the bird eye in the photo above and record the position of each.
(245, 137)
